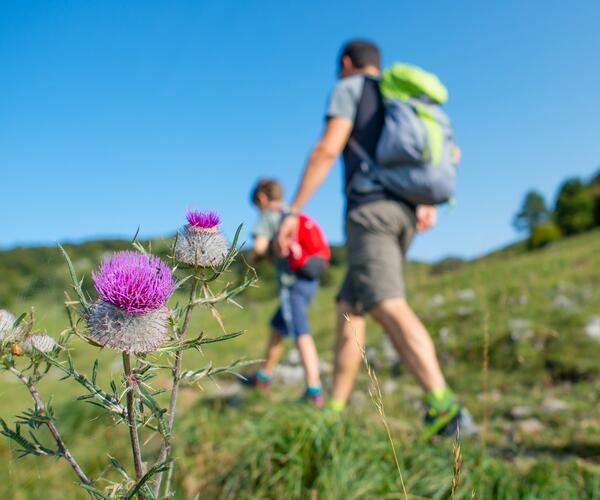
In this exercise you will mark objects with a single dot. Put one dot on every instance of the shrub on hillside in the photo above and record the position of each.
(574, 212)
(544, 234)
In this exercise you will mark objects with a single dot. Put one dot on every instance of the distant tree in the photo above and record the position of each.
(594, 190)
(574, 212)
(533, 212)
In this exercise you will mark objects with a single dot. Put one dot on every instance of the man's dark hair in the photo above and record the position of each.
(362, 53)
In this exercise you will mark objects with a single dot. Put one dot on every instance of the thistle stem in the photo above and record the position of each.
(132, 420)
(64, 451)
(165, 449)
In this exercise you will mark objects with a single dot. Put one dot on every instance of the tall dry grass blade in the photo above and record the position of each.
(377, 398)
(457, 466)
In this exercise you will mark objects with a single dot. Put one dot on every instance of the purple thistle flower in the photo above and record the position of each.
(202, 220)
(134, 282)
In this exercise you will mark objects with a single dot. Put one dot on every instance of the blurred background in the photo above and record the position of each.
(117, 116)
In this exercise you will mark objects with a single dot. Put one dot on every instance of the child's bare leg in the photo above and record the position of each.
(274, 350)
(310, 359)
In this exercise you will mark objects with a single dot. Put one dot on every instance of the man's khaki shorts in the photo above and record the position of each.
(378, 235)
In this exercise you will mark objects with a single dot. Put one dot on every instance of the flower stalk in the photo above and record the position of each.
(167, 444)
(130, 384)
(62, 447)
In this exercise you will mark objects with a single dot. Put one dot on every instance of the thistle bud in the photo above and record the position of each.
(38, 342)
(6, 325)
(200, 242)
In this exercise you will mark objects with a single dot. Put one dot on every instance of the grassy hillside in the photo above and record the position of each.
(532, 312)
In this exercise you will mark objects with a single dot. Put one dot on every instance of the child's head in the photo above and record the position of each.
(267, 193)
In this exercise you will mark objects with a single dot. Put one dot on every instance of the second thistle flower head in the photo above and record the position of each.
(200, 243)
(134, 282)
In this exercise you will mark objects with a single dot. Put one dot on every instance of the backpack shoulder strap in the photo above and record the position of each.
(366, 160)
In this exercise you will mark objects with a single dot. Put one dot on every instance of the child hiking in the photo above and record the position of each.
(298, 281)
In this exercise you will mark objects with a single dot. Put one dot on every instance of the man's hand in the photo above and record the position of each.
(286, 234)
(426, 217)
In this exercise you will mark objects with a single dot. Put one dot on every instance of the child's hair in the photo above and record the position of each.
(271, 188)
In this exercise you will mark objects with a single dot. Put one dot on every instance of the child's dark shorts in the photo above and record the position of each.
(291, 317)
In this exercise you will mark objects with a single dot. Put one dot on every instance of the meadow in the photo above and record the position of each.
(518, 335)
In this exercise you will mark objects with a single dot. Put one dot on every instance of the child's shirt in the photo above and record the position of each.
(267, 227)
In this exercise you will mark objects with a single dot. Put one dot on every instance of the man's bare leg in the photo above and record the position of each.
(411, 340)
(350, 334)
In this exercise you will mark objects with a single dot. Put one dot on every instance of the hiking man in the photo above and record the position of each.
(379, 230)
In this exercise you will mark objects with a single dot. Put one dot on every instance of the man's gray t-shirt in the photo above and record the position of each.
(344, 99)
(358, 99)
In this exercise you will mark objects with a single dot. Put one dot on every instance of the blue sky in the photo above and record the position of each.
(118, 114)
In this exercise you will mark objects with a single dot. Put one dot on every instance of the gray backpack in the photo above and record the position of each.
(415, 153)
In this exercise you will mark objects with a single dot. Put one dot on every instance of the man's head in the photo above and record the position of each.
(267, 193)
(359, 56)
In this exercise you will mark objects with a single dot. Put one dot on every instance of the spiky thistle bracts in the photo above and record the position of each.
(113, 327)
(7, 321)
(41, 342)
(200, 243)
(133, 282)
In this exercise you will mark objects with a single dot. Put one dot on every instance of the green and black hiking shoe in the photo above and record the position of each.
(449, 423)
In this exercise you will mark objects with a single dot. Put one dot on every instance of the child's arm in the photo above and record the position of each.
(260, 249)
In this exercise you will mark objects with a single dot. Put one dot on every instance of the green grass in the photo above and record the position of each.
(270, 447)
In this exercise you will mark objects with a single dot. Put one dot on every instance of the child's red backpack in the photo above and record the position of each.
(310, 253)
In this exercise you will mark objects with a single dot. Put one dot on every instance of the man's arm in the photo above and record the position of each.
(330, 145)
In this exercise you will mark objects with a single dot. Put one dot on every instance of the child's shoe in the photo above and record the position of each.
(314, 396)
(257, 380)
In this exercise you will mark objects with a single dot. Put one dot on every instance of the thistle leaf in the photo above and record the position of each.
(76, 283)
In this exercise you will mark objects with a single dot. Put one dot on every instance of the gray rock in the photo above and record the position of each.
(443, 334)
(288, 375)
(389, 386)
(553, 405)
(325, 366)
(520, 328)
(491, 397)
(358, 398)
(293, 358)
(520, 412)
(436, 301)
(592, 327)
(530, 426)
(371, 355)
(390, 355)
(465, 294)
(562, 302)
(463, 311)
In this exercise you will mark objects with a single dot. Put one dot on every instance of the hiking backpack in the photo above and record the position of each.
(414, 159)
(310, 253)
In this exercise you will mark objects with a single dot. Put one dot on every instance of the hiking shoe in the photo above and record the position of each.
(254, 381)
(316, 400)
(456, 421)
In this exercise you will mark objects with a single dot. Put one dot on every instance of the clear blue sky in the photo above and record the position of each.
(117, 114)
